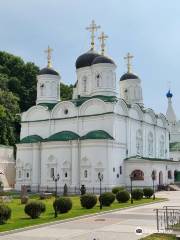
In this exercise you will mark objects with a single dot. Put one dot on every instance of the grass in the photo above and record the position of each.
(159, 236)
(19, 219)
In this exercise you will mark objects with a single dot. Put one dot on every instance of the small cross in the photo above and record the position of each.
(102, 39)
(49, 51)
(93, 28)
(128, 58)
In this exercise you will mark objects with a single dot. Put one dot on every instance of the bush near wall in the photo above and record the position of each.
(122, 196)
(107, 198)
(34, 209)
(62, 204)
(117, 189)
(137, 194)
(88, 200)
(148, 192)
(5, 213)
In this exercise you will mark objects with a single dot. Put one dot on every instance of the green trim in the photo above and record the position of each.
(50, 106)
(79, 101)
(148, 159)
(31, 139)
(63, 136)
(97, 134)
(175, 146)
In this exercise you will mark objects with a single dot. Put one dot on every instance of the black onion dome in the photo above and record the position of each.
(48, 71)
(128, 76)
(102, 59)
(86, 59)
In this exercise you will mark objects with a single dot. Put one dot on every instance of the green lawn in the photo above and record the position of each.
(19, 219)
(158, 236)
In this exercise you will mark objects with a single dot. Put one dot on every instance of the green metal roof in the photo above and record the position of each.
(63, 136)
(81, 100)
(174, 146)
(98, 134)
(31, 139)
(148, 159)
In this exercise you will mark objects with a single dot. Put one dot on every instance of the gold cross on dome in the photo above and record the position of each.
(93, 28)
(128, 58)
(102, 39)
(49, 52)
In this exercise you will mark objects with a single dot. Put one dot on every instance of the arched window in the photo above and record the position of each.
(84, 82)
(150, 144)
(27, 174)
(137, 175)
(65, 175)
(162, 146)
(98, 78)
(139, 142)
(85, 173)
(154, 175)
(169, 175)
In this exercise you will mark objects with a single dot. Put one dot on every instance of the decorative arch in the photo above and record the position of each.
(139, 111)
(64, 109)
(121, 107)
(137, 175)
(37, 112)
(152, 115)
(93, 106)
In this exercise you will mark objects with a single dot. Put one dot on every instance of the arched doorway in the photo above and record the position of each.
(160, 178)
(176, 176)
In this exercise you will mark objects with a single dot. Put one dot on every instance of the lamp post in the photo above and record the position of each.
(131, 179)
(100, 177)
(153, 176)
(56, 179)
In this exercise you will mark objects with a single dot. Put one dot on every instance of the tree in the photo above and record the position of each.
(8, 117)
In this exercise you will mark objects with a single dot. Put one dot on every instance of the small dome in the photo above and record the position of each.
(169, 94)
(86, 59)
(127, 76)
(102, 59)
(48, 71)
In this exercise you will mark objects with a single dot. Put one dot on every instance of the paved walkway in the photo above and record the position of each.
(119, 225)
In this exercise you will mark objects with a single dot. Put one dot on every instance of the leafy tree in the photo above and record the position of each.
(18, 94)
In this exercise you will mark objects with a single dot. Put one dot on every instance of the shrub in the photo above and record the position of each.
(107, 198)
(122, 196)
(43, 207)
(148, 192)
(5, 213)
(34, 209)
(62, 205)
(88, 200)
(137, 194)
(117, 189)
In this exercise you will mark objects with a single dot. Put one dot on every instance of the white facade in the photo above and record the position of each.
(7, 166)
(94, 132)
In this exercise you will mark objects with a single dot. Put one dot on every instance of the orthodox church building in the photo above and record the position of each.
(105, 128)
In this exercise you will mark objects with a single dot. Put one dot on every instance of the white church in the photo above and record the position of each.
(105, 129)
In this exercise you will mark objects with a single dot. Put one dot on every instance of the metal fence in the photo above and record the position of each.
(168, 218)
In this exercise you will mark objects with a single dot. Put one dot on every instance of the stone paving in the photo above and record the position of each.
(110, 226)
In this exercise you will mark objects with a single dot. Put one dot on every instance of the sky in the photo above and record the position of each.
(149, 30)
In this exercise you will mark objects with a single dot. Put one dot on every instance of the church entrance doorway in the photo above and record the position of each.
(160, 178)
(176, 176)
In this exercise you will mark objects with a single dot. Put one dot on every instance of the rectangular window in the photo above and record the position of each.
(114, 170)
(52, 172)
(120, 170)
